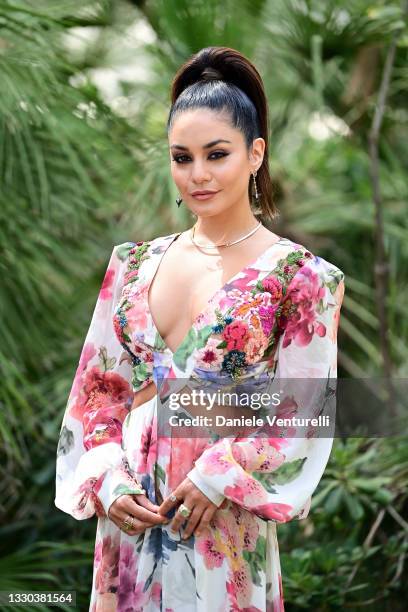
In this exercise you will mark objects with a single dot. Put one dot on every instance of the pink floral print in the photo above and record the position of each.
(210, 356)
(235, 334)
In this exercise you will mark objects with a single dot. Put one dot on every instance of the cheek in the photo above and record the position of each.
(233, 176)
(179, 177)
(235, 167)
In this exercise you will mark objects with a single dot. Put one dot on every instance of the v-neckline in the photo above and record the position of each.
(156, 267)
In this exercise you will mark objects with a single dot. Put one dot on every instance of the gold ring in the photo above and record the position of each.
(184, 511)
(126, 524)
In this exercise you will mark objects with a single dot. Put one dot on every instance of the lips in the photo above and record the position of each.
(207, 192)
(204, 195)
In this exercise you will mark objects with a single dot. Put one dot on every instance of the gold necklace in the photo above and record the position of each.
(229, 243)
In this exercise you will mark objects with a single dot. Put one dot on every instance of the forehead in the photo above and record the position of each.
(196, 127)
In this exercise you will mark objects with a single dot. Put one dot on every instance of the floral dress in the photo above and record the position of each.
(277, 317)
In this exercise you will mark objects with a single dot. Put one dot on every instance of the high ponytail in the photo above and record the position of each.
(220, 78)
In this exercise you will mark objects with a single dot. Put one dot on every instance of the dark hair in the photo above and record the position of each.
(221, 78)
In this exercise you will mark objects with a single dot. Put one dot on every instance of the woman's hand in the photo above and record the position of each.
(139, 506)
(202, 509)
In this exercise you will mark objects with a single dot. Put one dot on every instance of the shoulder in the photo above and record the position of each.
(311, 277)
(123, 250)
(129, 256)
(311, 261)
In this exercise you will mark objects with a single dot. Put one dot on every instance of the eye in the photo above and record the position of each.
(178, 158)
(219, 154)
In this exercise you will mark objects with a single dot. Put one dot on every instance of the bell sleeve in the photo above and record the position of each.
(91, 469)
(275, 474)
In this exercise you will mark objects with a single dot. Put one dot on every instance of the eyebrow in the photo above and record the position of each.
(206, 146)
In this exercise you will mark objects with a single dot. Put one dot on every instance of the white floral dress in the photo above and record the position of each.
(278, 317)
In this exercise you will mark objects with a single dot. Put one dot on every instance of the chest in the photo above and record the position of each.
(221, 318)
(183, 285)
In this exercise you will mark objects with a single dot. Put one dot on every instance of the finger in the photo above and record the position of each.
(149, 517)
(138, 527)
(115, 509)
(168, 504)
(142, 500)
(179, 519)
(141, 526)
(129, 506)
(206, 517)
(193, 521)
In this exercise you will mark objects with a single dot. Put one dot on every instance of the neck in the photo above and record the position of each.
(224, 227)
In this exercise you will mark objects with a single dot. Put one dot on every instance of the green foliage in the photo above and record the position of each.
(357, 521)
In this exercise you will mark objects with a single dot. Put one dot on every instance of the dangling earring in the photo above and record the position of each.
(178, 201)
(255, 187)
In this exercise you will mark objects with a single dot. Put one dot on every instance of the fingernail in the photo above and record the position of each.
(198, 533)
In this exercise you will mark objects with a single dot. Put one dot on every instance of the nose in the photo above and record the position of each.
(199, 172)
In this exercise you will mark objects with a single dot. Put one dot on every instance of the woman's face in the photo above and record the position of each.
(208, 154)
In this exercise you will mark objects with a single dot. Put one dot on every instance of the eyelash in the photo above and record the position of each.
(220, 153)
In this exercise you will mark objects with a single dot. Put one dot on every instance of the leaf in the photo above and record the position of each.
(321, 495)
(356, 510)
(192, 341)
(222, 344)
(185, 349)
(159, 342)
(123, 489)
(259, 286)
(288, 471)
(110, 363)
(370, 484)
(256, 560)
(159, 472)
(139, 373)
(107, 363)
(123, 250)
(383, 496)
(334, 500)
(65, 442)
(284, 474)
(320, 308)
(266, 479)
(203, 335)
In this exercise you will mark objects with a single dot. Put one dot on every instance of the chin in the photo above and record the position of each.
(206, 212)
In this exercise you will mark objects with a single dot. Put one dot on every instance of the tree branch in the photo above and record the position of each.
(381, 266)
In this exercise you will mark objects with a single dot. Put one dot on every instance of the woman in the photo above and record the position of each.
(189, 523)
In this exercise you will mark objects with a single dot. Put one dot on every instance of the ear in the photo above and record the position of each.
(256, 154)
